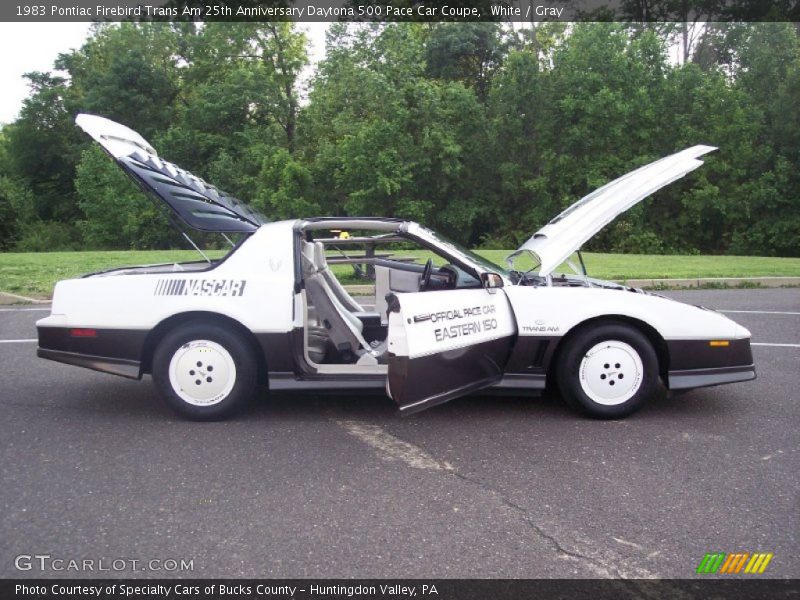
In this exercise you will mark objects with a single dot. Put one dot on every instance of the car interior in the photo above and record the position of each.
(346, 332)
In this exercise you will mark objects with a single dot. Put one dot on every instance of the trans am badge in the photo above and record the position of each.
(200, 287)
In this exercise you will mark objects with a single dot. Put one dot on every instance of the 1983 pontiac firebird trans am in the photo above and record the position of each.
(272, 312)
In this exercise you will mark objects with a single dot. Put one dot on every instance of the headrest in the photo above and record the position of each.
(307, 257)
(319, 256)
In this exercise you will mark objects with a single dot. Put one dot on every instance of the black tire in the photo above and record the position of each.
(578, 381)
(207, 338)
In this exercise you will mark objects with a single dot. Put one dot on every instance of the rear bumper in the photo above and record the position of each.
(115, 351)
(115, 366)
(695, 378)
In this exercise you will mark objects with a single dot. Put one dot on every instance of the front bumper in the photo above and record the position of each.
(698, 363)
(695, 378)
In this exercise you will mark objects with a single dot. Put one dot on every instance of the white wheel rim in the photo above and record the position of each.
(611, 372)
(202, 373)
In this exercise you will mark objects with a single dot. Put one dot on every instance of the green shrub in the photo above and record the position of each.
(48, 236)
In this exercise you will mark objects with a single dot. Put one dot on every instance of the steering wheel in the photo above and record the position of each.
(426, 275)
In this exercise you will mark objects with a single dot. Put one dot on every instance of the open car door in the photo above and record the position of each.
(446, 344)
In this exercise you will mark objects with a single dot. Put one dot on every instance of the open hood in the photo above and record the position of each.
(198, 204)
(565, 234)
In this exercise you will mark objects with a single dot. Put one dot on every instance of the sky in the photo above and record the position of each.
(29, 47)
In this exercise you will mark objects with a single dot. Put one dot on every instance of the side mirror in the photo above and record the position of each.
(491, 281)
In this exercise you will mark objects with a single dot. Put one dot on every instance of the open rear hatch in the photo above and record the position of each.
(198, 204)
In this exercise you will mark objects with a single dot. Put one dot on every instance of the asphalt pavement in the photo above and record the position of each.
(94, 467)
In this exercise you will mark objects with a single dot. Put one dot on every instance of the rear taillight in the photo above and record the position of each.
(83, 333)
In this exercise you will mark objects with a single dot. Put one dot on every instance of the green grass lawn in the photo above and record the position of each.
(34, 274)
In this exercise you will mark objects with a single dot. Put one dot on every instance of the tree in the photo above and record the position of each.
(117, 214)
(762, 62)
(386, 139)
(465, 52)
(41, 148)
(481, 130)
(9, 227)
(126, 72)
(239, 102)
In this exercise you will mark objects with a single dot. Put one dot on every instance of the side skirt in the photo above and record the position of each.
(289, 382)
(520, 383)
(514, 384)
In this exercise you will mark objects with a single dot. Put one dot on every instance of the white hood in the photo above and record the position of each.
(565, 234)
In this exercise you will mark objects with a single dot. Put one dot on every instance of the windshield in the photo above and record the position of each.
(458, 251)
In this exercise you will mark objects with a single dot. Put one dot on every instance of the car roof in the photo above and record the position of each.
(377, 223)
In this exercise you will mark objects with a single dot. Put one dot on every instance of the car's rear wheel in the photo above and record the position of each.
(205, 371)
(608, 371)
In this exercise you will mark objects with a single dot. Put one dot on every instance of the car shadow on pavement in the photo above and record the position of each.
(141, 400)
(378, 406)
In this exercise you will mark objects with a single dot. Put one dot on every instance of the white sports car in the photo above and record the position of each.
(273, 312)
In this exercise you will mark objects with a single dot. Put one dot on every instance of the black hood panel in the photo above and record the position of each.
(198, 204)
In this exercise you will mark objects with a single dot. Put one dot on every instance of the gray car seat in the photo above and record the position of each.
(338, 289)
(342, 327)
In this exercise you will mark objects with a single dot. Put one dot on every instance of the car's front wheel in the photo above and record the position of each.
(205, 371)
(608, 371)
